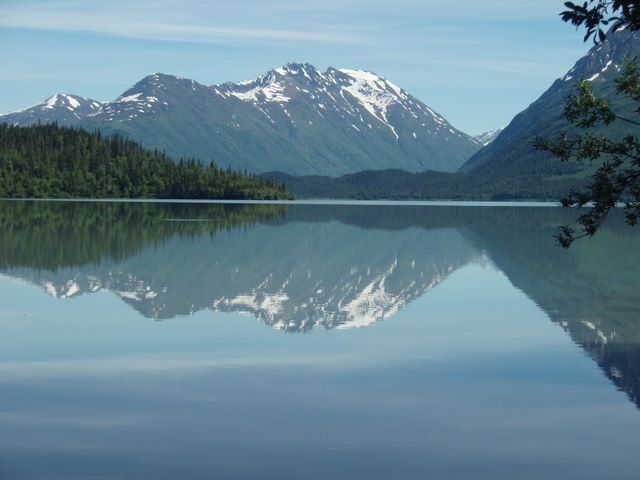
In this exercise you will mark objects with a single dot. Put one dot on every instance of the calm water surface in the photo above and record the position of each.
(164, 341)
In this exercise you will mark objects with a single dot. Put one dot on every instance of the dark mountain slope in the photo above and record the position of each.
(512, 153)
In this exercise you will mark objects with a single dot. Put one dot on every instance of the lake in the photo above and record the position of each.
(315, 341)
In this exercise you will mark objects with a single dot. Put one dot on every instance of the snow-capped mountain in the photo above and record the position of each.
(368, 100)
(487, 137)
(294, 119)
(62, 108)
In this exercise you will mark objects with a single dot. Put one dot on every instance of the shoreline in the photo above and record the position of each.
(433, 203)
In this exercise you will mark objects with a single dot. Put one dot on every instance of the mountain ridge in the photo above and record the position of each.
(512, 152)
(294, 118)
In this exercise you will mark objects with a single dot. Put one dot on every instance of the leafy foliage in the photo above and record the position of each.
(617, 179)
(52, 161)
(597, 15)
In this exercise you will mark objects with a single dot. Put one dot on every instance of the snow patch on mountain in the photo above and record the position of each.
(487, 137)
(130, 98)
(271, 92)
(130, 104)
(374, 93)
(372, 304)
(69, 102)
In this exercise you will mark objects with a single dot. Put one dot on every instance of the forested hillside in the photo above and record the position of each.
(402, 185)
(52, 161)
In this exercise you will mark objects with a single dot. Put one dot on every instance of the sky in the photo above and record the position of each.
(477, 63)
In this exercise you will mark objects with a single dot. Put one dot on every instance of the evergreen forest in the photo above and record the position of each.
(50, 161)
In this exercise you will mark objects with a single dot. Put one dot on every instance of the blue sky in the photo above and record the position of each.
(478, 63)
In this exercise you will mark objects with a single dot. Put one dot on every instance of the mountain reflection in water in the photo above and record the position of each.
(300, 267)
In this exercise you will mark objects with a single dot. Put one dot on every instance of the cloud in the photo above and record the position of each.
(357, 22)
(162, 24)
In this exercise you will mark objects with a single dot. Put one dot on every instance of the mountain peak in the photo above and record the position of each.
(150, 95)
(162, 79)
(63, 108)
(294, 68)
(69, 101)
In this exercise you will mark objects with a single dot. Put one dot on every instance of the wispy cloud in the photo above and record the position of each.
(329, 21)
(153, 24)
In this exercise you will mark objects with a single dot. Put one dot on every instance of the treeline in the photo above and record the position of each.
(49, 161)
(403, 185)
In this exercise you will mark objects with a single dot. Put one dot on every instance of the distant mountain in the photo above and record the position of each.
(294, 119)
(62, 108)
(512, 152)
(487, 137)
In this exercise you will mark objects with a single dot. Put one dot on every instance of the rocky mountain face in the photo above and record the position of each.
(294, 119)
(512, 152)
